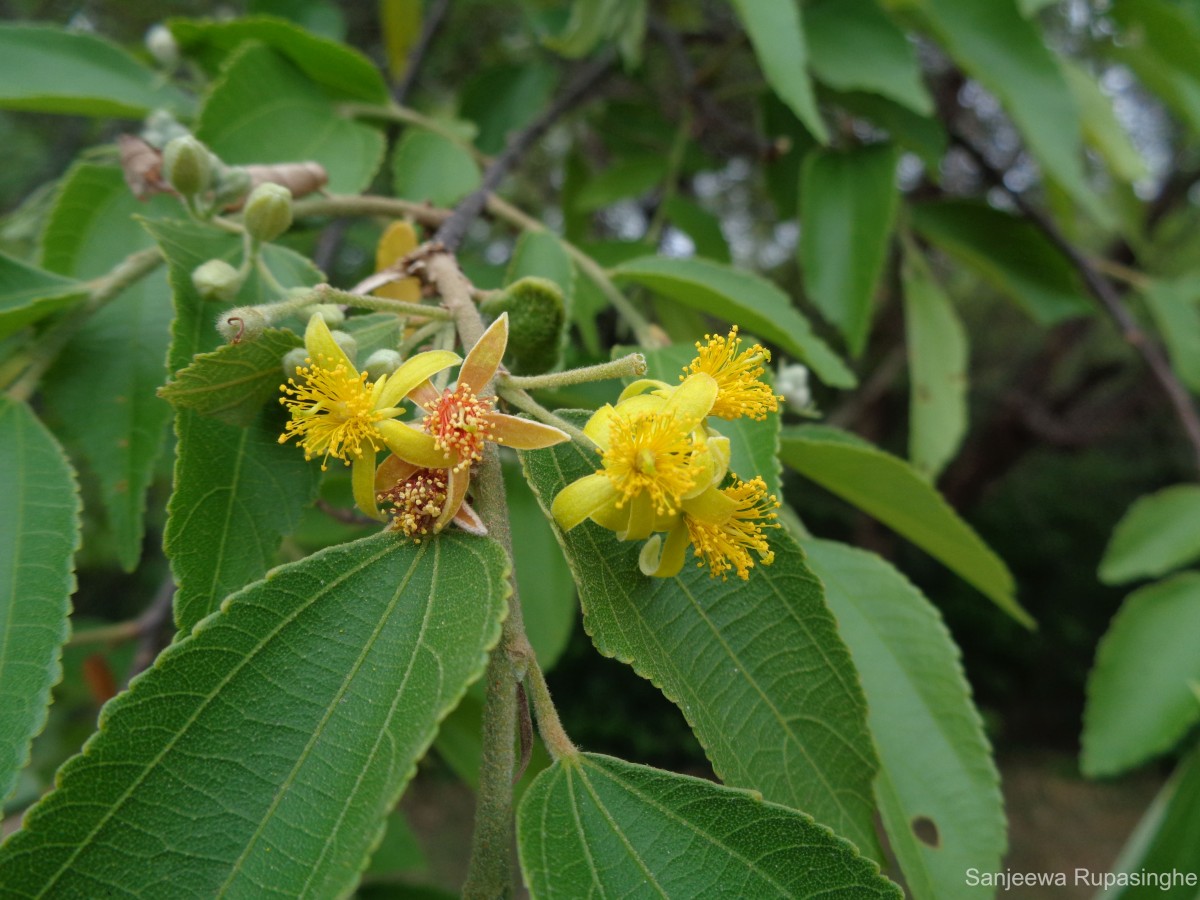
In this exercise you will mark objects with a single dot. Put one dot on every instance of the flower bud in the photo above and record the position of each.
(268, 212)
(536, 321)
(382, 362)
(330, 312)
(347, 342)
(244, 323)
(161, 44)
(293, 360)
(792, 382)
(217, 280)
(187, 165)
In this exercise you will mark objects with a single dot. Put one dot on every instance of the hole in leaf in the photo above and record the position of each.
(926, 831)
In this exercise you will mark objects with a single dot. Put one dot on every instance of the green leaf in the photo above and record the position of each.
(342, 70)
(937, 362)
(37, 566)
(1158, 534)
(1139, 702)
(847, 205)
(238, 491)
(101, 388)
(264, 751)
(743, 298)
(1007, 54)
(28, 293)
(888, 489)
(629, 178)
(50, 70)
(753, 446)
(595, 21)
(1010, 253)
(701, 226)
(547, 590)
(936, 765)
(301, 123)
(855, 46)
(542, 255)
(1175, 307)
(1158, 42)
(1101, 128)
(374, 331)
(432, 168)
(1168, 837)
(593, 825)
(777, 34)
(923, 135)
(235, 381)
(756, 666)
(504, 98)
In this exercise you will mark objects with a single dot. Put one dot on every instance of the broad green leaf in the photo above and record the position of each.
(1010, 253)
(301, 122)
(1175, 306)
(629, 178)
(1030, 8)
(51, 70)
(593, 825)
(782, 171)
(234, 382)
(855, 46)
(28, 293)
(262, 753)
(432, 168)
(503, 98)
(701, 226)
(1101, 127)
(777, 33)
(753, 446)
(541, 254)
(1140, 703)
(338, 68)
(743, 298)
(1158, 534)
(101, 388)
(1168, 837)
(238, 491)
(547, 590)
(937, 364)
(37, 569)
(756, 666)
(1008, 56)
(936, 765)
(923, 135)
(320, 17)
(889, 489)
(847, 205)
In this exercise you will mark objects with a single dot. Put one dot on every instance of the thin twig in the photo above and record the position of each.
(454, 229)
(435, 16)
(1110, 300)
(340, 205)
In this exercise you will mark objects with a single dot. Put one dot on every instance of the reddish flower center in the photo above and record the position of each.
(416, 502)
(460, 422)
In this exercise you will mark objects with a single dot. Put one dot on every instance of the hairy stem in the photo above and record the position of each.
(324, 293)
(629, 366)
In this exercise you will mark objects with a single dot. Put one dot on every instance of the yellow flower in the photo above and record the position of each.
(740, 392)
(459, 422)
(336, 412)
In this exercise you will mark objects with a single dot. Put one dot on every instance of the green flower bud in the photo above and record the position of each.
(330, 312)
(244, 323)
(217, 280)
(347, 342)
(268, 212)
(537, 320)
(162, 46)
(382, 362)
(187, 165)
(293, 360)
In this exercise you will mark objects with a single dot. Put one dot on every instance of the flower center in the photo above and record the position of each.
(332, 413)
(416, 502)
(650, 454)
(460, 423)
(740, 389)
(728, 545)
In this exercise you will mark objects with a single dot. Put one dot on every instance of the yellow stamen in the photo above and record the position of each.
(728, 545)
(740, 390)
(649, 453)
(417, 502)
(459, 424)
(332, 413)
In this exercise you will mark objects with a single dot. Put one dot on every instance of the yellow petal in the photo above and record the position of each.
(412, 373)
(322, 348)
(523, 434)
(456, 492)
(362, 479)
(664, 558)
(692, 401)
(612, 518)
(641, 386)
(641, 519)
(597, 426)
(583, 498)
(719, 450)
(482, 359)
(713, 506)
(398, 241)
(412, 445)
